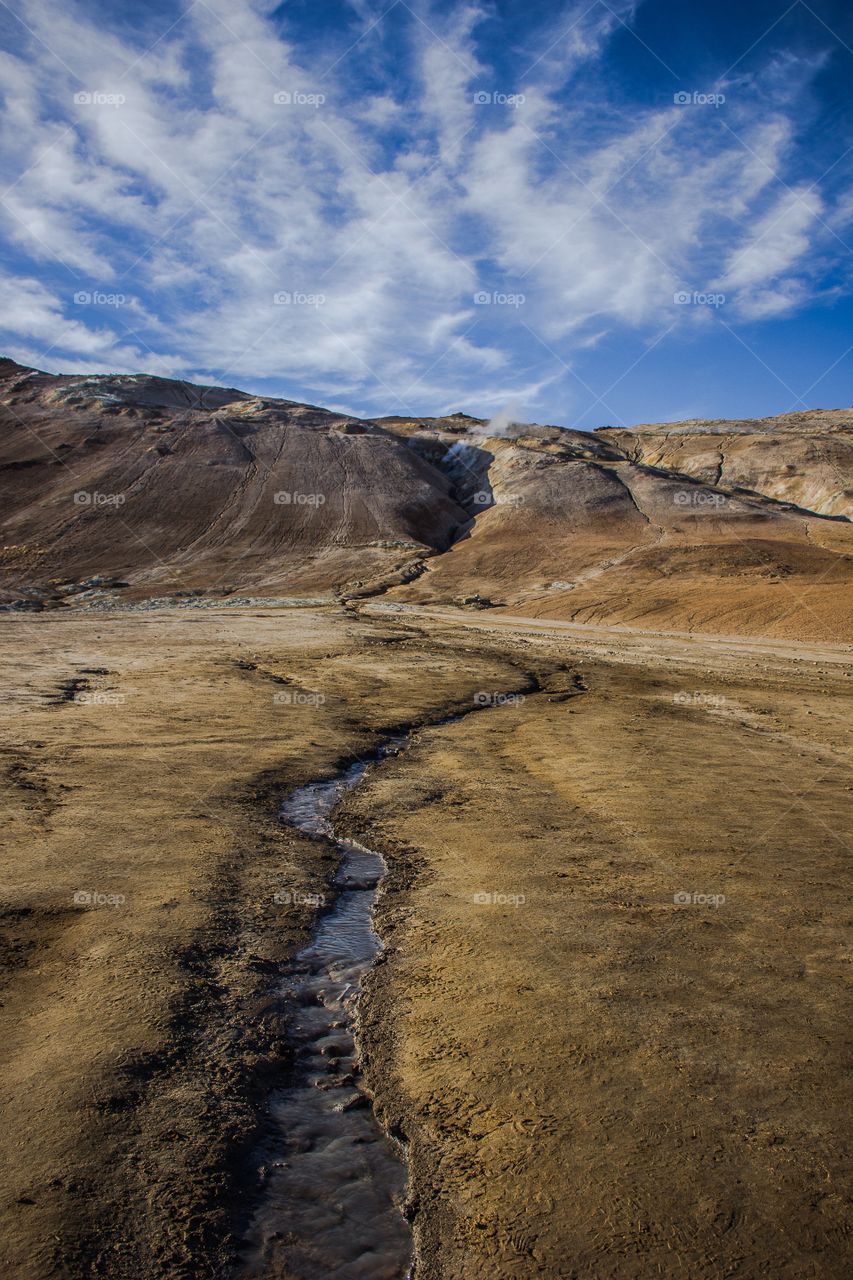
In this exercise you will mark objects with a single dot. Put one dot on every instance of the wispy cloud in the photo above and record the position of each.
(265, 219)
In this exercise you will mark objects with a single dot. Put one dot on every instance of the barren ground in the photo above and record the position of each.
(594, 1077)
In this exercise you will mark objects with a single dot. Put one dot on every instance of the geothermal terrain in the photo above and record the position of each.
(426, 847)
(160, 488)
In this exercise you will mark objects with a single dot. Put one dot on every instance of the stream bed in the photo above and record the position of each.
(335, 1185)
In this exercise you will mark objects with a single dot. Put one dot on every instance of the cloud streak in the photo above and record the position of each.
(204, 170)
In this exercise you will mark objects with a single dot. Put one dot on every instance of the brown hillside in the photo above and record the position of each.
(171, 488)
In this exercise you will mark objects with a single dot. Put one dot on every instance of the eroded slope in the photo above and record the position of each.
(802, 458)
(159, 488)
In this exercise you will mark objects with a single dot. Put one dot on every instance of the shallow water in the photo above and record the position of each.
(332, 1201)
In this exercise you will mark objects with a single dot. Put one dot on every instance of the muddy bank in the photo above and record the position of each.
(334, 1182)
(593, 1074)
(610, 1021)
(145, 921)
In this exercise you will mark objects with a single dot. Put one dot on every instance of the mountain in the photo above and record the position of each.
(575, 529)
(174, 488)
(171, 487)
(796, 457)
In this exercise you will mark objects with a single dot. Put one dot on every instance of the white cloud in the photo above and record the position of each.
(201, 197)
(40, 317)
(759, 272)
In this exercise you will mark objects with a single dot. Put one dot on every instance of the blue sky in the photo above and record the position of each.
(580, 214)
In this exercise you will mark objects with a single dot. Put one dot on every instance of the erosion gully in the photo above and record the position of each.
(332, 1206)
(333, 1199)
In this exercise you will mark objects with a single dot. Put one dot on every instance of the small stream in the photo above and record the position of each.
(332, 1201)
